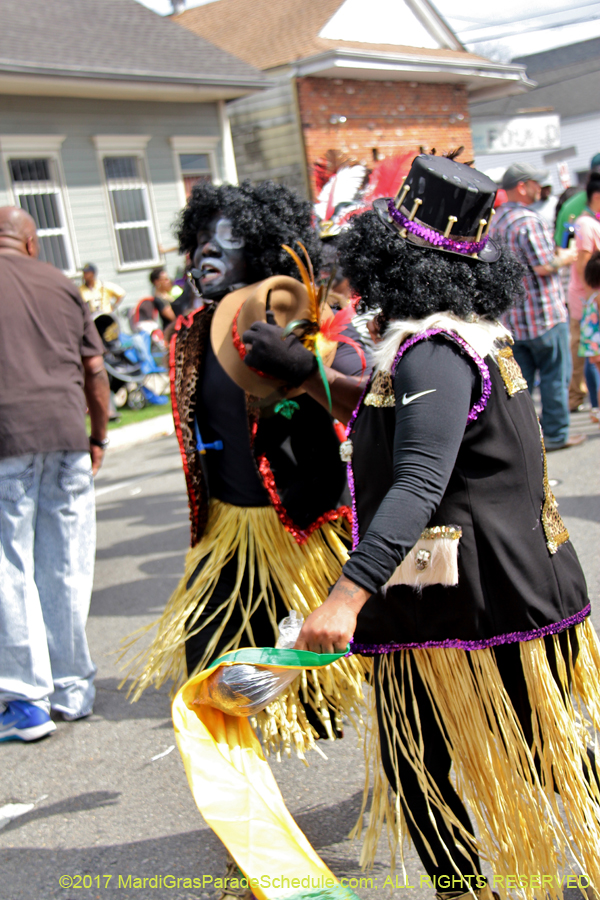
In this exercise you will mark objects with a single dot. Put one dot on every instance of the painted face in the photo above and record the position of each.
(220, 259)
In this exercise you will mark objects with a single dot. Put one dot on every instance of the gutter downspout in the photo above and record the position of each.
(300, 132)
(229, 167)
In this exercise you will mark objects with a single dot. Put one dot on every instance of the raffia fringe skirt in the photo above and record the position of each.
(510, 788)
(301, 574)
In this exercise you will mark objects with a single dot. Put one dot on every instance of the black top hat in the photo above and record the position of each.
(443, 205)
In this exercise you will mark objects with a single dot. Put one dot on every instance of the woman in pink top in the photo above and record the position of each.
(587, 238)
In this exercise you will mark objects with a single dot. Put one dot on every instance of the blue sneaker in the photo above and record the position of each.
(23, 721)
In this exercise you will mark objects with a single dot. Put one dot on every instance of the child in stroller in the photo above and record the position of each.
(135, 376)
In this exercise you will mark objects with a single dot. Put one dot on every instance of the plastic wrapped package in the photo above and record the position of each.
(244, 690)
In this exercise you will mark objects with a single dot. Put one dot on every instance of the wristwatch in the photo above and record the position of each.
(102, 444)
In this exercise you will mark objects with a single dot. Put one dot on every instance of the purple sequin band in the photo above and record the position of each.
(474, 412)
(351, 485)
(432, 236)
(486, 381)
(456, 643)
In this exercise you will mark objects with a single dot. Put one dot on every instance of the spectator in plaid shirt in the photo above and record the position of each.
(539, 324)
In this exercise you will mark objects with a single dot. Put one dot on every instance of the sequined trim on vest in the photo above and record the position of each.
(510, 371)
(451, 532)
(484, 372)
(186, 352)
(474, 412)
(554, 527)
(481, 643)
(382, 391)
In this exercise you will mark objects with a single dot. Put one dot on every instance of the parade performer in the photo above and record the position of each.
(463, 585)
(262, 466)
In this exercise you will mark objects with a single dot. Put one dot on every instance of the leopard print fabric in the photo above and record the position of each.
(188, 345)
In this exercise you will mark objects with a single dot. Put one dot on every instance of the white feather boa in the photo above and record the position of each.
(483, 335)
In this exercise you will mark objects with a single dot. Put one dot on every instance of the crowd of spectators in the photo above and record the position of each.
(554, 237)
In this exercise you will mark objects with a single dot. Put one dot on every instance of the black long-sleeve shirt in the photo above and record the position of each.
(435, 385)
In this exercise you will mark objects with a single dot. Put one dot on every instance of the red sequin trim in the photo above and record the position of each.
(241, 347)
(237, 341)
(181, 321)
(300, 535)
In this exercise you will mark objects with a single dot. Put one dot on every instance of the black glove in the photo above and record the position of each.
(287, 360)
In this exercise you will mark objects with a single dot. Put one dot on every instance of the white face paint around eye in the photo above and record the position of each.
(224, 236)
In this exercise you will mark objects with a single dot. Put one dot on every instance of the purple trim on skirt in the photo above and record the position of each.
(486, 381)
(512, 638)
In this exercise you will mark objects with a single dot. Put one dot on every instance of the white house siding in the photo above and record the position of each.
(583, 133)
(266, 140)
(79, 120)
(580, 132)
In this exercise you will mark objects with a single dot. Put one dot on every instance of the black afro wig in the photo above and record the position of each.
(408, 282)
(265, 215)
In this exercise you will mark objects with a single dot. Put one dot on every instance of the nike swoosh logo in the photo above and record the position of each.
(409, 399)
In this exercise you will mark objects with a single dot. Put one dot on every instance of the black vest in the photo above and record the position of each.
(519, 576)
(304, 486)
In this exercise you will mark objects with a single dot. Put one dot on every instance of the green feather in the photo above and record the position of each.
(323, 375)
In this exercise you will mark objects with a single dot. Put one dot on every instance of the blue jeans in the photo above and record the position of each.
(47, 548)
(550, 355)
(592, 380)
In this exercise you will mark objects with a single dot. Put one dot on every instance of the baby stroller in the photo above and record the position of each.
(135, 377)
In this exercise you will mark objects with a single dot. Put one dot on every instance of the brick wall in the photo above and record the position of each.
(382, 116)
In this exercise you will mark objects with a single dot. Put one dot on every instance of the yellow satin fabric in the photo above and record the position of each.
(238, 797)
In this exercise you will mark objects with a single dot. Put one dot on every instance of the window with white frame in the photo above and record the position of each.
(36, 187)
(130, 209)
(194, 160)
(195, 167)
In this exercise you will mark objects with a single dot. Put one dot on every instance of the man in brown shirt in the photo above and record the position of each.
(51, 367)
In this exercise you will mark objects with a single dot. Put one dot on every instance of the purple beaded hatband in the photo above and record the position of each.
(431, 236)
(440, 196)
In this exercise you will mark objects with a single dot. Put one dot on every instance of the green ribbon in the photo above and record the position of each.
(273, 656)
(323, 375)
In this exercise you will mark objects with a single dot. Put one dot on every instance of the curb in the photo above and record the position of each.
(139, 432)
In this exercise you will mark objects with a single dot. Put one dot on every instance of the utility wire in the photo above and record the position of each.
(513, 21)
(524, 30)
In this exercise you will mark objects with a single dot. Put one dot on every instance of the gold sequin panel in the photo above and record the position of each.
(381, 393)
(554, 527)
(452, 532)
(510, 371)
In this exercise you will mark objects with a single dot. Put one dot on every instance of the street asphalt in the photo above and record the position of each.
(107, 797)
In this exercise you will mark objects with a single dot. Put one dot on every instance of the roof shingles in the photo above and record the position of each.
(275, 34)
(110, 38)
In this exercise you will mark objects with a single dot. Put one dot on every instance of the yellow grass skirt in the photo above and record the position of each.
(301, 574)
(511, 789)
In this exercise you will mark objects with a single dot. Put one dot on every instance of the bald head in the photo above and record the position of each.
(17, 231)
